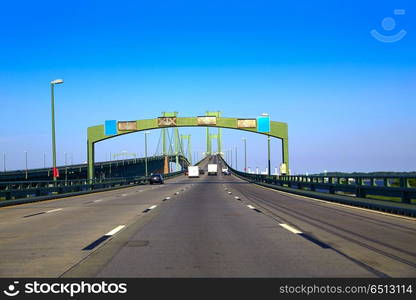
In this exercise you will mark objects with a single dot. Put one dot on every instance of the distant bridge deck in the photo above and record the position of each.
(108, 169)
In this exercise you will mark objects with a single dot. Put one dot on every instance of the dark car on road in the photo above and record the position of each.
(201, 172)
(156, 178)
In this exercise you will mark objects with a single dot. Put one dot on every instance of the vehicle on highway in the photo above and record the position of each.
(212, 169)
(201, 172)
(227, 172)
(224, 170)
(156, 178)
(193, 171)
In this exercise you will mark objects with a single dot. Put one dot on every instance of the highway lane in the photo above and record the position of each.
(45, 239)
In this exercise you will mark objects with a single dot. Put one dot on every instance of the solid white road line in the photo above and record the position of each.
(99, 200)
(290, 228)
(53, 210)
(154, 206)
(115, 230)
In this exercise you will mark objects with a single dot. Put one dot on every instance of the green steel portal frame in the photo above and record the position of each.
(96, 134)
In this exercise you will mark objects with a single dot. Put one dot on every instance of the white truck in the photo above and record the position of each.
(193, 171)
(212, 169)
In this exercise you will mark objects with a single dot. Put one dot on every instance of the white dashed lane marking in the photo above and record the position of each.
(115, 230)
(53, 210)
(290, 228)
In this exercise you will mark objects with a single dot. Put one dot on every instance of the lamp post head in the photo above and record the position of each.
(57, 81)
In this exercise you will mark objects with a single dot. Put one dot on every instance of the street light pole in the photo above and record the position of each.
(26, 164)
(268, 155)
(44, 160)
(54, 170)
(236, 157)
(4, 161)
(245, 154)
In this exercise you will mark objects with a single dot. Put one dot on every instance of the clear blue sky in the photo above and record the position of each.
(348, 98)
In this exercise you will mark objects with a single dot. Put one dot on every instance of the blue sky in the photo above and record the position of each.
(348, 98)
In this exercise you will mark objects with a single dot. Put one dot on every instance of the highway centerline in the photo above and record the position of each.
(253, 208)
(150, 208)
(42, 212)
(290, 228)
(53, 210)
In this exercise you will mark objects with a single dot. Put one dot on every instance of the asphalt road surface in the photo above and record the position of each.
(212, 226)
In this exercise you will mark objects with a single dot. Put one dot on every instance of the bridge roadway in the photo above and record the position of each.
(202, 230)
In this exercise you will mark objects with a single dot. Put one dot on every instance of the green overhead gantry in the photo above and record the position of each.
(209, 145)
(113, 128)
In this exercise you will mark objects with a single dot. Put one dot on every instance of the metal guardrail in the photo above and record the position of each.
(396, 189)
(28, 189)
